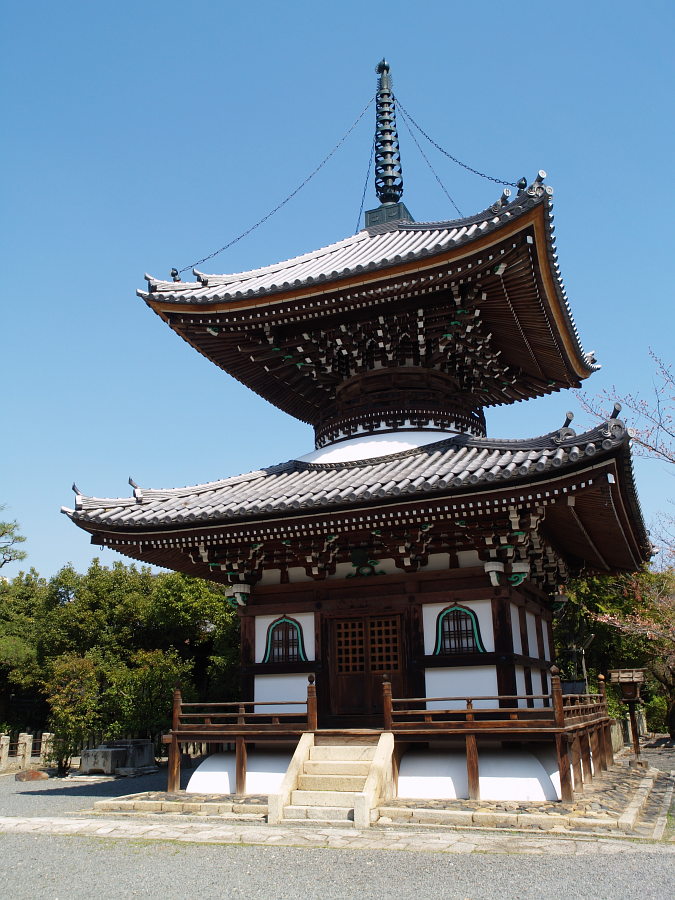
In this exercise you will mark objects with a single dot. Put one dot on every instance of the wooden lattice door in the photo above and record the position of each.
(363, 649)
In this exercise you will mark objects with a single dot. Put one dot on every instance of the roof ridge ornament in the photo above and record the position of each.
(388, 170)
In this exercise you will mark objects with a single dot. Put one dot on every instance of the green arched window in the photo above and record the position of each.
(457, 631)
(284, 642)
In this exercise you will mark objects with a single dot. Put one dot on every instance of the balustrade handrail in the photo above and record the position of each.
(237, 703)
(471, 699)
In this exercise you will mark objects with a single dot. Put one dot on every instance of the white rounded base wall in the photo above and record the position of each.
(517, 775)
(217, 774)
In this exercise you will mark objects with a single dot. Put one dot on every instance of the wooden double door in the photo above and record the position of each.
(362, 649)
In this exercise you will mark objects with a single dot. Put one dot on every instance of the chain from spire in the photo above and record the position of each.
(388, 172)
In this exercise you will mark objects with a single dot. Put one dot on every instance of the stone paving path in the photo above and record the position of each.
(216, 833)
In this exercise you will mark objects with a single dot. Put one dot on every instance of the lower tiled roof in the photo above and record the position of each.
(451, 466)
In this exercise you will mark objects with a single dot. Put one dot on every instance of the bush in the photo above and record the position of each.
(656, 711)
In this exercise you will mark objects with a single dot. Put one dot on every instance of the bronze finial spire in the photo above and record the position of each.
(388, 173)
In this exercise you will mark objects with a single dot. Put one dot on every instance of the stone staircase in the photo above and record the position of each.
(330, 780)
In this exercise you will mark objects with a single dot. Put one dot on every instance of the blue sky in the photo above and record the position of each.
(141, 136)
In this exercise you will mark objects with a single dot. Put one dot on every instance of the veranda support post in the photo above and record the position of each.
(174, 747)
(561, 745)
(575, 749)
(240, 755)
(472, 767)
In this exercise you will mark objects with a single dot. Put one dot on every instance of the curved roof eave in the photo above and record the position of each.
(356, 253)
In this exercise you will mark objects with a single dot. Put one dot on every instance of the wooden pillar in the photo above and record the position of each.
(606, 728)
(240, 754)
(586, 756)
(561, 745)
(386, 703)
(575, 748)
(472, 767)
(240, 766)
(561, 748)
(173, 781)
(312, 717)
(602, 747)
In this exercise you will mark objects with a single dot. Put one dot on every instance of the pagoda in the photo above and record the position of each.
(407, 545)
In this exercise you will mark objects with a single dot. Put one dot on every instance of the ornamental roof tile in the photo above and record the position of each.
(451, 465)
(367, 250)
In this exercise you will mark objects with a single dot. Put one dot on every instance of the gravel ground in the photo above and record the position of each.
(71, 868)
(67, 795)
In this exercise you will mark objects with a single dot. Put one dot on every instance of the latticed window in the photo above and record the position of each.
(457, 631)
(284, 642)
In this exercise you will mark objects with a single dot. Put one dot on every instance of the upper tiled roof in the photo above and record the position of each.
(368, 250)
(450, 466)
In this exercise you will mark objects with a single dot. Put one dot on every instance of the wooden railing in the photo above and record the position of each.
(239, 721)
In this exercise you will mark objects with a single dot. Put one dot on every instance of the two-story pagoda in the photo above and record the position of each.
(407, 543)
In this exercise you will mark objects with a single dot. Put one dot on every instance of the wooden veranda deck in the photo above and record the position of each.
(578, 724)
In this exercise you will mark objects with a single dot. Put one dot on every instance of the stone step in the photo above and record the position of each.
(337, 767)
(319, 813)
(331, 782)
(342, 752)
(324, 798)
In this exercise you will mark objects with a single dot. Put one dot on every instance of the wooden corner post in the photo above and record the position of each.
(386, 703)
(561, 747)
(173, 781)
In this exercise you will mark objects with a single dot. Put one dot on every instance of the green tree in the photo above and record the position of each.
(9, 541)
(72, 691)
(141, 632)
(632, 618)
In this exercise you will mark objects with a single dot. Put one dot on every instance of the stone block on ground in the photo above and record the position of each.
(31, 775)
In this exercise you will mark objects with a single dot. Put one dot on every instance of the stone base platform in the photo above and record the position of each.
(623, 801)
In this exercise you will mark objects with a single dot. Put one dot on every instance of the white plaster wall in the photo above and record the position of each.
(304, 620)
(468, 558)
(217, 774)
(515, 628)
(532, 634)
(520, 684)
(517, 775)
(463, 681)
(280, 687)
(483, 611)
(547, 643)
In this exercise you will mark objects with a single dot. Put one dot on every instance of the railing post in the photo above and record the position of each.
(173, 781)
(312, 716)
(472, 767)
(4, 751)
(386, 703)
(557, 695)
